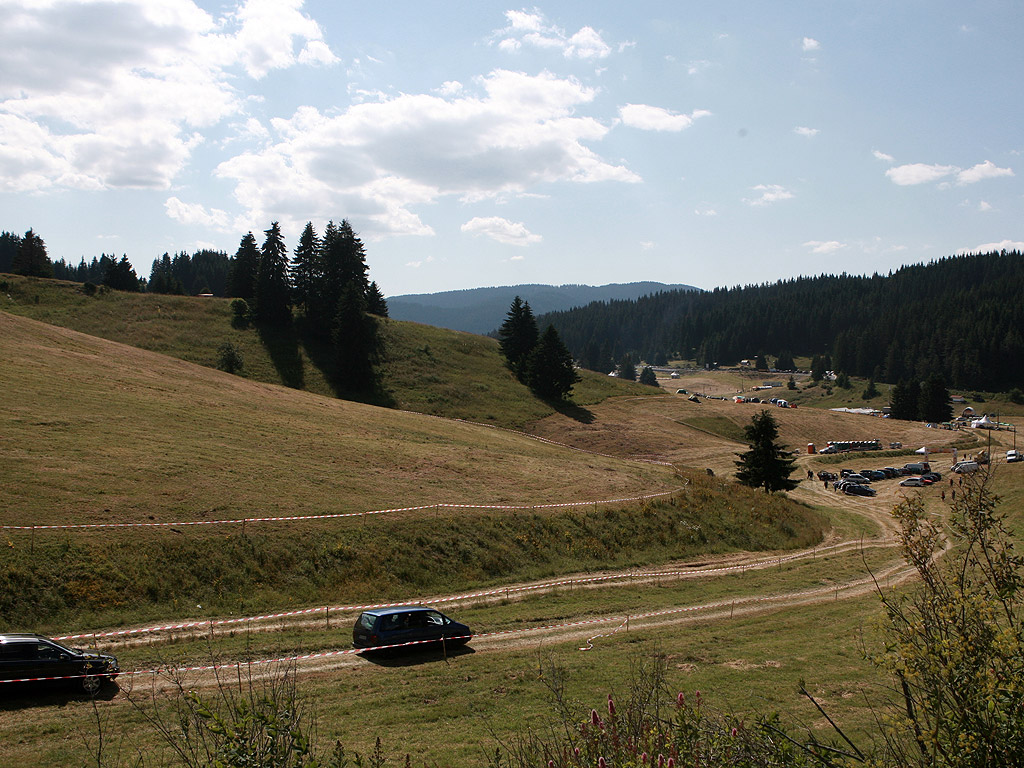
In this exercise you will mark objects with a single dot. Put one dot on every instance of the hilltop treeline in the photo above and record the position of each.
(958, 317)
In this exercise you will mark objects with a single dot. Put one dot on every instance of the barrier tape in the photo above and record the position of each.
(623, 622)
(335, 515)
(646, 575)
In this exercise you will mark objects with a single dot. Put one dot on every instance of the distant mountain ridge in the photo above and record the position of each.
(482, 310)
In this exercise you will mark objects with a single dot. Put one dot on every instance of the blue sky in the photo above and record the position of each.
(482, 143)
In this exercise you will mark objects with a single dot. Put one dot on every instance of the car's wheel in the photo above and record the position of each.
(92, 685)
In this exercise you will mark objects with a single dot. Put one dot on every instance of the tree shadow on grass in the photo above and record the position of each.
(572, 410)
(282, 344)
(321, 354)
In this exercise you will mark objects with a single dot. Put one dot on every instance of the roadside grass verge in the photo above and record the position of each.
(118, 577)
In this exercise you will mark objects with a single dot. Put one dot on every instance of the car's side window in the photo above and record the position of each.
(433, 617)
(17, 652)
(46, 651)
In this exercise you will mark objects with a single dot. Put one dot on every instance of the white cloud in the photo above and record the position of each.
(450, 88)
(830, 246)
(808, 132)
(770, 193)
(650, 118)
(377, 161)
(533, 29)
(705, 210)
(810, 44)
(882, 156)
(986, 170)
(647, 245)
(501, 230)
(919, 173)
(984, 206)
(113, 93)
(1002, 245)
(196, 214)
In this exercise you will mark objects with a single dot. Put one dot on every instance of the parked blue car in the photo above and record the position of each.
(407, 624)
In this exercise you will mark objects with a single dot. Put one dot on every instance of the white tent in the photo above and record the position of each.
(983, 423)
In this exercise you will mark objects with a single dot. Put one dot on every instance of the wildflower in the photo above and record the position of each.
(643, 758)
(661, 761)
(734, 732)
(601, 763)
(611, 706)
(596, 719)
(680, 700)
(671, 763)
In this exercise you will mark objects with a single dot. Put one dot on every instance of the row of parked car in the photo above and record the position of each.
(854, 483)
(30, 660)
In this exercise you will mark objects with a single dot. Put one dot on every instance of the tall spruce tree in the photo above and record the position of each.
(242, 283)
(518, 336)
(627, 368)
(307, 270)
(904, 400)
(376, 304)
(271, 299)
(357, 343)
(648, 376)
(766, 464)
(120, 275)
(9, 243)
(30, 258)
(933, 404)
(549, 368)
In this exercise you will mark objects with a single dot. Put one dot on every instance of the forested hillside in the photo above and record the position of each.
(960, 317)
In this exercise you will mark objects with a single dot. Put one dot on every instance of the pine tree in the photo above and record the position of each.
(9, 243)
(904, 401)
(626, 369)
(376, 304)
(306, 271)
(120, 275)
(870, 390)
(271, 299)
(518, 336)
(549, 368)
(933, 404)
(357, 343)
(766, 464)
(648, 377)
(242, 282)
(30, 258)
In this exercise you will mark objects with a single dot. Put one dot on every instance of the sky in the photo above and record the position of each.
(474, 143)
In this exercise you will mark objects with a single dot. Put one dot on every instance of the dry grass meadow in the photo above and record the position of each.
(743, 595)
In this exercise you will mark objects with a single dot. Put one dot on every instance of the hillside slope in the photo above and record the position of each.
(96, 431)
(426, 369)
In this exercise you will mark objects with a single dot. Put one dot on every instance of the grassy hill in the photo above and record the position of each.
(426, 369)
(100, 432)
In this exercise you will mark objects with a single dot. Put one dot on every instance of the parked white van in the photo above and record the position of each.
(965, 467)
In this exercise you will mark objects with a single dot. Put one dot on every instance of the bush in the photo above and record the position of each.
(89, 289)
(1016, 396)
(229, 359)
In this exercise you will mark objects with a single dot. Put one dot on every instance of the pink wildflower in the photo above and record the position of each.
(661, 761)
(611, 705)
(601, 763)
(643, 759)
(734, 732)
(671, 763)
(680, 700)
(596, 719)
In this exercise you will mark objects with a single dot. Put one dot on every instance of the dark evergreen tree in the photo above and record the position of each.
(870, 390)
(9, 243)
(933, 404)
(357, 343)
(627, 369)
(518, 336)
(791, 384)
(761, 363)
(647, 376)
(162, 279)
(549, 368)
(766, 465)
(784, 362)
(904, 401)
(306, 271)
(817, 368)
(271, 299)
(843, 380)
(376, 304)
(242, 280)
(120, 275)
(30, 258)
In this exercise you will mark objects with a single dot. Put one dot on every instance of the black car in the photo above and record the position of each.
(933, 476)
(29, 659)
(853, 489)
(825, 475)
(407, 625)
